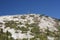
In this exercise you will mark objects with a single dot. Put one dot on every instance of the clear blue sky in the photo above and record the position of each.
(47, 7)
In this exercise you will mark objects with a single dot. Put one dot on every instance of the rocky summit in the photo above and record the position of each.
(29, 27)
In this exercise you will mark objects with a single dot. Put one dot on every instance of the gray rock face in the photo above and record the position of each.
(29, 27)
